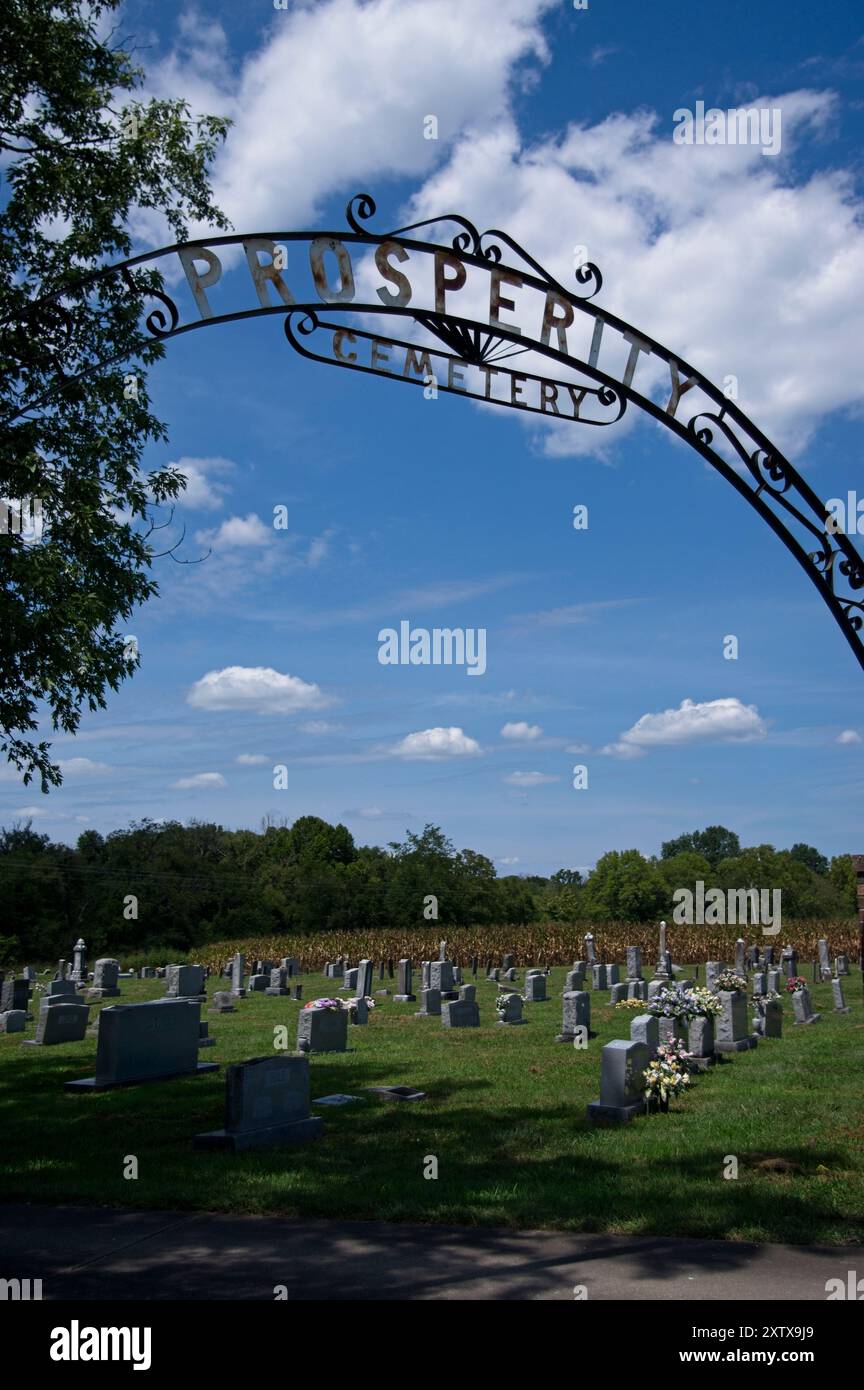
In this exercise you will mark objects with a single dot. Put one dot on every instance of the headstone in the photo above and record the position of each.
(664, 959)
(460, 1013)
(535, 987)
(204, 1038)
(637, 989)
(574, 980)
(700, 1041)
(363, 987)
(474, 966)
(619, 992)
(13, 1021)
(589, 949)
(442, 950)
(184, 982)
(350, 979)
(359, 1013)
(841, 965)
(769, 955)
(712, 970)
(598, 977)
(789, 961)
(576, 1014)
(645, 1028)
(79, 962)
(425, 972)
(238, 972)
(468, 992)
(292, 965)
(60, 1023)
(824, 959)
(259, 983)
(634, 963)
(773, 982)
(278, 982)
(322, 1030)
(15, 995)
(759, 983)
(802, 1007)
(740, 966)
(266, 1106)
(768, 1022)
(509, 1009)
(508, 962)
(105, 975)
(430, 1004)
(147, 972)
(223, 1002)
(389, 967)
(296, 991)
(146, 1042)
(441, 975)
(494, 975)
(622, 1083)
(404, 993)
(731, 1030)
(29, 973)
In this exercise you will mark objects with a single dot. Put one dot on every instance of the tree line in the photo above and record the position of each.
(164, 887)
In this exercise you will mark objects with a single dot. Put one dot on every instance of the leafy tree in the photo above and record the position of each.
(810, 857)
(624, 886)
(78, 171)
(714, 843)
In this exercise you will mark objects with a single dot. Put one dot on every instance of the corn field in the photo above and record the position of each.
(551, 943)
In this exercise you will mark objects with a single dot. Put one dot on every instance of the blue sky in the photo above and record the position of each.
(557, 126)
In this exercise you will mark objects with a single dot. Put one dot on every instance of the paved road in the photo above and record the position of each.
(91, 1253)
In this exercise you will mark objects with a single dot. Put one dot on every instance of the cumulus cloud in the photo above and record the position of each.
(848, 736)
(251, 759)
(238, 531)
(529, 779)
(259, 689)
(521, 732)
(431, 745)
(207, 781)
(205, 486)
(82, 767)
(725, 720)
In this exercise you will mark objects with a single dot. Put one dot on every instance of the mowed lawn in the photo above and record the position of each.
(505, 1118)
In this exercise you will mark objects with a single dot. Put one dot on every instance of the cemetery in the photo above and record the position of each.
(600, 1095)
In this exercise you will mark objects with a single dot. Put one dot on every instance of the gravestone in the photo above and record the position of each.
(740, 966)
(576, 1013)
(613, 975)
(359, 1013)
(636, 989)
(184, 982)
(841, 965)
(60, 1023)
(507, 962)
(773, 982)
(292, 965)
(645, 1028)
(468, 992)
(78, 972)
(622, 1083)
(634, 963)
(664, 959)
(731, 1024)
(425, 969)
(840, 1005)
(590, 955)
(350, 979)
(789, 961)
(238, 972)
(442, 950)
(460, 1013)
(457, 976)
(598, 976)
(802, 1007)
(146, 1042)
(105, 974)
(760, 984)
(15, 995)
(296, 991)
(712, 970)
(700, 1042)
(322, 1030)
(204, 1038)
(494, 975)
(259, 983)
(13, 1021)
(430, 1004)
(574, 980)
(510, 974)
(509, 1009)
(363, 986)
(441, 975)
(768, 1021)
(278, 985)
(223, 1002)
(266, 1107)
(535, 987)
(147, 972)
(618, 993)
(824, 959)
(769, 955)
(474, 966)
(404, 993)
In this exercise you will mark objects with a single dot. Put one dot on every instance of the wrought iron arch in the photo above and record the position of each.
(715, 426)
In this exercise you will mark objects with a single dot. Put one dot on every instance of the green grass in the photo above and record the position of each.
(505, 1117)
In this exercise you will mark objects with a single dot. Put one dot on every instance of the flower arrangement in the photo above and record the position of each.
(728, 980)
(501, 999)
(631, 1004)
(705, 1002)
(769, 996)
(673, 1001)
(333, 1004)
(795, 983)
(664, 1076)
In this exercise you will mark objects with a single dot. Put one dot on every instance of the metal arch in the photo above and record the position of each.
(757, 470)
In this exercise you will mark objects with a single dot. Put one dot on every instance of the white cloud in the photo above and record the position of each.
(238, 531)
(204, 489)
(251, 759)
(577, 748)
(318, 726)
(726, 720)
(520, 731)
(258, 689)
(204, 780)
(848, 736)
(82, 767)
(509, 859)
(430, 745)
(529, 779)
